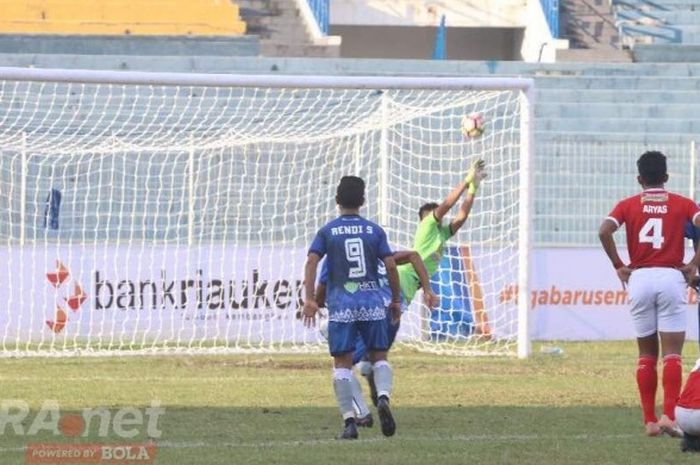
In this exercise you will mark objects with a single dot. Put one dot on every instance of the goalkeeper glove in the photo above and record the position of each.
(477, 164)
(476, 174)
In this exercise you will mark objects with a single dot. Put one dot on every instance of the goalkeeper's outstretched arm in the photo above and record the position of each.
(476, 174)
(450, 201)
(456, 193)
(464, 210)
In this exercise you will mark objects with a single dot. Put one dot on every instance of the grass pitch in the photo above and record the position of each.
(577, 408)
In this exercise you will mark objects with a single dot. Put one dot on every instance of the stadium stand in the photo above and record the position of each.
(194, 28)
(106, 17)
(105, 45)
(123, 27)
(287, 28)
(591, 31)
(663, 30)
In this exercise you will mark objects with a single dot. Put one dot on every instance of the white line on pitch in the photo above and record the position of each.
(459, 438)
(151, 379)
(321, 442)
(4, 450)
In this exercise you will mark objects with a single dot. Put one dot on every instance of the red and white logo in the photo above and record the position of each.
(69, 294)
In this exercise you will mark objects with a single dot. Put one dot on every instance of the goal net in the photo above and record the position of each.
(145, 212)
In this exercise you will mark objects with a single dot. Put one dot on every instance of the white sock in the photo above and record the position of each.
(342, 386)
(361, 408)
(383, 378)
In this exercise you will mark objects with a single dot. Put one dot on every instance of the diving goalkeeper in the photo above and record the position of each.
(432, 234)
(430, 240)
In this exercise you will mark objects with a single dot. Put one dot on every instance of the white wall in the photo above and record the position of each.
(538, 43)
(402, 42)
(460, 13)
(353, 17)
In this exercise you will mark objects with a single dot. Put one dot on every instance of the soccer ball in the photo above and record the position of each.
(473, 125)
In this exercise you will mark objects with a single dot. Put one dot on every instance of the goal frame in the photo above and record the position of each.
(524, 86)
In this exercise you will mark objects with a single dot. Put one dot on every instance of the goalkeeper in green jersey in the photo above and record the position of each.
(432, 233)
(429, 243)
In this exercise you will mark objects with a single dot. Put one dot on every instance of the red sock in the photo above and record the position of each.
(646, 382)
(672, 380)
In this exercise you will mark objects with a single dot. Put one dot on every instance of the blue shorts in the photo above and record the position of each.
(343, 337)
(360, 352)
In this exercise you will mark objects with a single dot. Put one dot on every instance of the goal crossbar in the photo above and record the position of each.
(83, 76)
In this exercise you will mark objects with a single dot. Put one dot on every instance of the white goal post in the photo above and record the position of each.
(171, 213)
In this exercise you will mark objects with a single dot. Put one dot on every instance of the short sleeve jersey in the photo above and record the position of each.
(655, 221)
(429, 242)
(352, 246)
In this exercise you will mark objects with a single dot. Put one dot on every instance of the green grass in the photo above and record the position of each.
(578, 408)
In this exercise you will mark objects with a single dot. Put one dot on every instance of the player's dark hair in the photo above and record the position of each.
(690, 443)
(428, 207)
(350, 192)
(652, 168)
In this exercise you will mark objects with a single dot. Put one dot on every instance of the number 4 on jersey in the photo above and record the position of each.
(652, 233)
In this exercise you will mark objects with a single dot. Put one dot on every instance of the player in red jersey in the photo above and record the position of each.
(656, 279)
(688, 411)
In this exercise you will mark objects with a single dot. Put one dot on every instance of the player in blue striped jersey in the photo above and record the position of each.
(352, 246)
(359, 356)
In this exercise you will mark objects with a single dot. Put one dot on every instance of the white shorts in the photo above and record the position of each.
(658, 297)
(688, 420)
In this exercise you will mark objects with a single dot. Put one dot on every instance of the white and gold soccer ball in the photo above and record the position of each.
(472, 125)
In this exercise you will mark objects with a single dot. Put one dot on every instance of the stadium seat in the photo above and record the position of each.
(665, 53)
(110, 17)
(658, 22)
(130, 46)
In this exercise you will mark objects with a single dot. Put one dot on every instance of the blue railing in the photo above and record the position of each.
(551, 12)
(321, 10)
